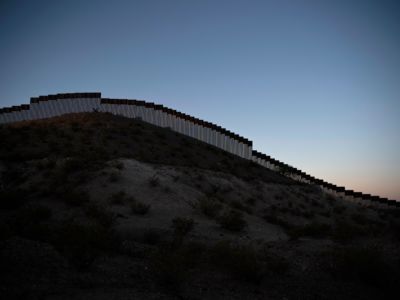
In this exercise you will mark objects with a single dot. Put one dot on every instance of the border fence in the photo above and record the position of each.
(59, 104)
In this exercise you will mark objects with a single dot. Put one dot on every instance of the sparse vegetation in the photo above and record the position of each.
(154, 181)
(182, 226)
(151, 236)
(13, 198)
(314, 229)
(100, 214)
(118, 198)
(236, 204)
(75, 197)
(210, 207)
(47, 164)
(232, 220)
(82, 244)
(139, 208)
(241, 262)
(363, 264)
(114, 177)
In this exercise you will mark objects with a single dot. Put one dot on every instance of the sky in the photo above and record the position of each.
(315, 84)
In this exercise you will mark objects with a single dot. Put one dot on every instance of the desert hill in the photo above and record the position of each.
(98, 206)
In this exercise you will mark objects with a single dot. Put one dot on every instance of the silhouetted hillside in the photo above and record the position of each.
(97, 206)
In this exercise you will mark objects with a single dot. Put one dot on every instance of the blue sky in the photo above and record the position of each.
(315, 84)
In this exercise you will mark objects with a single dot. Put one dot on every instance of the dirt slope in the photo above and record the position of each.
(95, 206)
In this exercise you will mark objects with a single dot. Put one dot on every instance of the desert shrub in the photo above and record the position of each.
(139, 208)
(316, 203)
(151, 236)
(326, 213)
(277, 265)
(239, 206)
(167, 189)
(46, 164)
(74, 197)
(13, 198)
(182, 226)
(171, 264)
(73, 164)
(345, 231)
(330, 199)
(251, 201)
(100, 214)
(239, 261)
(232, 221)
(30, 222)
(6, 230)
(114, 177)
(209, 207)
(360, 219)
(271, 217)
(118, 198)
(363, 264)
(338, 209)
(314, 229)
(118, 165)
(82, 244)
(308, 214)
(154, 181)
(160, 134)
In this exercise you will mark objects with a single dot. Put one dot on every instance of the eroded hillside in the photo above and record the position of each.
(96, 206)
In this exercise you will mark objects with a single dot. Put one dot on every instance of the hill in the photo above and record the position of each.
(98, 206)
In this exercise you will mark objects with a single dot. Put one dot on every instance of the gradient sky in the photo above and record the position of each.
(315, 84)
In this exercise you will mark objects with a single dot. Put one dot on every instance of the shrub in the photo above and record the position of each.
(251, 201)
(272, 218)
(365, 264)
(46, 164)
(151, 236)
(118, 198)
(308, 214)
(331, 199)
(360, 219)
(338, 209)
(76, 197)
(118, 165)
(100, 214)
(114, 177)
(182, 226)
(314, 229)
(344, 231)
(13, 198)
(240, 261)
(82, 244)
(29, 222)
(232, 221)
(73, 164)
(239, 206)
(209, 207)
(278, 265)
(139, 208)
(326, 213)
(154, 181)
(171, 264)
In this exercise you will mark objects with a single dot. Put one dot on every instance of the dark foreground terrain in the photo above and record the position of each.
(95, 206)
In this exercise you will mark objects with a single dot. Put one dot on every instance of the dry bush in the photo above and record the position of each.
(118, 198)
(242, 262)
(139, 208)
(232, 220)
(210, 207)
(362, 264)
(182, 226)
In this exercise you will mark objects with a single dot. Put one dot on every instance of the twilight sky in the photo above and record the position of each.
(315, 84)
